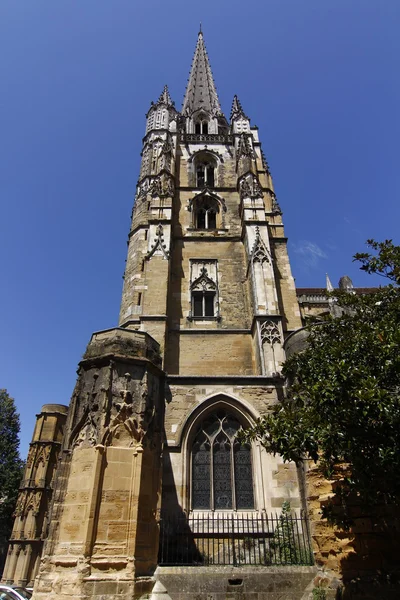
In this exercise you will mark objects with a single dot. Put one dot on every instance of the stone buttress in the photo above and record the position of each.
(103, 538)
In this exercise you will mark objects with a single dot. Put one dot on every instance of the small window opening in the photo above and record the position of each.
(139, 301)
(203, 304)
(142, 267)
(145, 234)
(205, 173)
(201, 127)
(206, 215)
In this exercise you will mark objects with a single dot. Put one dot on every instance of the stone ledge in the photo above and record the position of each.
(123, 343)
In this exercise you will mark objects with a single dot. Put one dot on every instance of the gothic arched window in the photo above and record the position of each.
(204, 298)
(222, 475)
(205, 213)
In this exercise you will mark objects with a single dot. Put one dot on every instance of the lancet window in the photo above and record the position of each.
(222, 474)
(204, 290)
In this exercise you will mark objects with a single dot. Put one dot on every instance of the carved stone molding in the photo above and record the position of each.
(158, 244)
(259, 251)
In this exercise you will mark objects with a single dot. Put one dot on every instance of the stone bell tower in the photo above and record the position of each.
(207, 302)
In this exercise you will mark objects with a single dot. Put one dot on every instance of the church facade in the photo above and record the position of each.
(208, 303)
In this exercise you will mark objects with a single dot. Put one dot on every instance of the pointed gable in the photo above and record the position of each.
(237, 110)
(165, 97)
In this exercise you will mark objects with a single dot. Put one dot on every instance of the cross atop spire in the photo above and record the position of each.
(165, 98)
(201, 92)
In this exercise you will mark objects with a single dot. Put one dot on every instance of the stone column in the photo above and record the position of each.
(24, 572)
(11, 563)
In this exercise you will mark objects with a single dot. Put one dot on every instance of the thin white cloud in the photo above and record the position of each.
(310, 253)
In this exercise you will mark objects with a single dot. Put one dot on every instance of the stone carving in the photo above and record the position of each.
(167, 149)
(141, 190)
(257, 189)
(206, 192)
(155, 187)
(169, 188)
(270, 333)
(245, 189)
(43, 455)
(250, 187)
(158, 186)
(19, 509)
(203, 282)
(159, 244)
(265, 163)
(87, 435)
(245, 149)
(276, 209)
(31, 456)
(145, 165)
(259, 252)
(33, 502)
(130, 422)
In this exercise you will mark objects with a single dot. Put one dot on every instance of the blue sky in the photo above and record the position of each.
(319, 78)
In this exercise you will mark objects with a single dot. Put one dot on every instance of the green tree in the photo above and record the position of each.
(343, 395)
(11, 468)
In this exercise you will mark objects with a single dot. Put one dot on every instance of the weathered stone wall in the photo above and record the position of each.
(206, 353)
(236, 583)
(364, 556)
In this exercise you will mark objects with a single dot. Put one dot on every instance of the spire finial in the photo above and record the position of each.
(200, 30)
(329, 286)
(237, 109)
(165, 97)
(201, 92)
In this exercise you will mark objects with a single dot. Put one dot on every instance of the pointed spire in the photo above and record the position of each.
(237, 109)
(165, 98)
(329, 286)
(201, 92)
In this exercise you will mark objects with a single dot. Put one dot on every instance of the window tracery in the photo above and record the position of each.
(222, 477)
(270, 333)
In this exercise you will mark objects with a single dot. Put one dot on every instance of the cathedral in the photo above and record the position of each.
(140, 489)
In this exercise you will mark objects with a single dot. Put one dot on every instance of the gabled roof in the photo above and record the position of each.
(201, 92)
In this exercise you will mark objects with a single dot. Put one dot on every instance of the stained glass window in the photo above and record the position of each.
(201, 472)
(222, 477)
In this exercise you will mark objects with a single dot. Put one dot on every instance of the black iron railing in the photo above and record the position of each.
(216, 138)
(234, 539)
